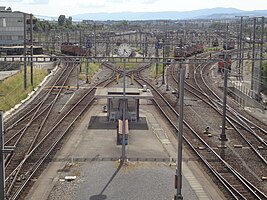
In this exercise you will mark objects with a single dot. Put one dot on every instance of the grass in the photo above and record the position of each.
(160, 69)
(93, 68)
(130, 63)
(12, 88)
(212, 49)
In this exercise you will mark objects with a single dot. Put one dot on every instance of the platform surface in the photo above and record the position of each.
(91, 154)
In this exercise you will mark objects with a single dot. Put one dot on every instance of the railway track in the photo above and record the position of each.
(204, 91)
(244, 189)
(237, 186)
(246, 142)
(44, 146)
(39, 133)
(238, 122)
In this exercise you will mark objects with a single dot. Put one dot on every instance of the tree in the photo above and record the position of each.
(40, 26)
(62, 20)
(69, 22)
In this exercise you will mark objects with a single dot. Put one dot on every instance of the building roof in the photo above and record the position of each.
(134, 93)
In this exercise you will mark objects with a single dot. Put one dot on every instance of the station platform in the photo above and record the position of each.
(91, 158)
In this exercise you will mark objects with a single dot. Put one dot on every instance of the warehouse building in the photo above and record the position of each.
(12, 26)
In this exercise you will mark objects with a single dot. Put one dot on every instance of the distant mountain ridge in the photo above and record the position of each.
(211, 13)
(173, 15)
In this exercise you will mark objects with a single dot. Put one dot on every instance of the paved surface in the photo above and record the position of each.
(92, 156)
(6, 74)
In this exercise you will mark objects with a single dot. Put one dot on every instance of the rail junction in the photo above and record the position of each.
(68, 136)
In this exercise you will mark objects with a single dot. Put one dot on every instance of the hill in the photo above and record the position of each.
(211, 13)
(171, 15)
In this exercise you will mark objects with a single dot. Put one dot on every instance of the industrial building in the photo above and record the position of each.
(12, 26)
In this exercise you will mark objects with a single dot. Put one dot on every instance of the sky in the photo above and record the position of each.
(54, 8)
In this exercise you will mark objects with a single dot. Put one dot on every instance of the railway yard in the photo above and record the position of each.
(69, 143)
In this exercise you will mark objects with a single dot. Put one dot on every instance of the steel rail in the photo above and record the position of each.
(213, 103)
(35, 167)
(16, 172)
(253, 190)
(228, 118)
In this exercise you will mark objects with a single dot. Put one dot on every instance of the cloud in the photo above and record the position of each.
(10, 1)
(40, 1)
(29, 1)
(149, 1)
(92, 4)
(115, 1)
(105, 3)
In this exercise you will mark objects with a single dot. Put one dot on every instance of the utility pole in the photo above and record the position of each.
(140, 38)
(256, 76)
(223, 137)
(88, 51)
(68, 37)
(95, 38)
(179, 77)
(240, 49)
(146, 46)
(157, 61)
(167, 77)
(178, 176)
(123, 156)
(87, 65)
(107, 46)
(2, 164)
(163, 62)
(25, 52)
(261, 57)
(31, 38)
(3, 150)
(253, 57)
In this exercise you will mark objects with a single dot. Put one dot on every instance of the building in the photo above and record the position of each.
(12, 26)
